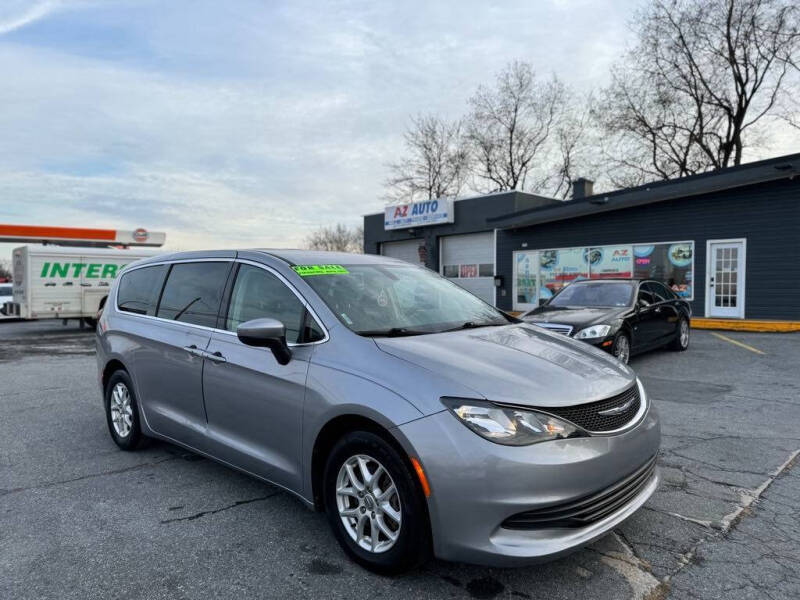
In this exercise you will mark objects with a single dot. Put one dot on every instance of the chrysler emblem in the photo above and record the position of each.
(617, 410)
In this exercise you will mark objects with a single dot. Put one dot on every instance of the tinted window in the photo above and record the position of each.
(660, 293)
(666, 291)
(193, 292)
(645, 297)
(5, 290)
(258, 294)
(138, 290)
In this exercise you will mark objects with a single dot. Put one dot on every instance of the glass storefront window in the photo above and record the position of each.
(538, 274)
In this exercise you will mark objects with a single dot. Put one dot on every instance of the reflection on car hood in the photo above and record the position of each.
(519, 364)
(577, 317)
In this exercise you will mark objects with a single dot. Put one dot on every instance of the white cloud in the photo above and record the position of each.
(251, 123)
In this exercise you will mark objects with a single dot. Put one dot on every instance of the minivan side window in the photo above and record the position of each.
(139, 289)
(193, 292)
(259, 294)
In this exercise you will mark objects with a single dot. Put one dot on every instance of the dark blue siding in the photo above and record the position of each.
(767, 215)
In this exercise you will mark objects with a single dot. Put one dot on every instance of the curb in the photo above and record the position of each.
(753, 325)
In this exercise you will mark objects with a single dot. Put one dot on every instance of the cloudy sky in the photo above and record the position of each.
(250, 123)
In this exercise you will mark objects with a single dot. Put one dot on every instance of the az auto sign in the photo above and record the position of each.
(417, 214)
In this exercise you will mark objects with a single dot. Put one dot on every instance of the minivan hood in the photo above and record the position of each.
(518, 364)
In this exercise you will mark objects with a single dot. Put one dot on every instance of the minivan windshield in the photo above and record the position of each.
(397, 300)
(595, 293)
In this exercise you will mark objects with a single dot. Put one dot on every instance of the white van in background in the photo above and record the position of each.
(52, 282)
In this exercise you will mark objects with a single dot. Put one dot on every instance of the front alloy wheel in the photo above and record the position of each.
(368, 503)
(375, 504)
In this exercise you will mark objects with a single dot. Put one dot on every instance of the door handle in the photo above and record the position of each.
(194, 350)
(216, 356)
(657, 309)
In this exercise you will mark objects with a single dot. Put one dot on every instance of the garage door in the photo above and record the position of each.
(407, 250)
(469, 261)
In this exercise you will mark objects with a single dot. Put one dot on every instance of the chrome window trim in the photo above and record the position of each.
(267, 268)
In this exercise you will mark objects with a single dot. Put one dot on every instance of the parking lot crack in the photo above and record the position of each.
(214, 511)
(731, 520)
(637, 572)
(51, 484)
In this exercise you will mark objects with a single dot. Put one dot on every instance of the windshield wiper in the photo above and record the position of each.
(472, 325)
(392, 332)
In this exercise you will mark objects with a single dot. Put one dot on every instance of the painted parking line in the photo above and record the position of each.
(736, 342)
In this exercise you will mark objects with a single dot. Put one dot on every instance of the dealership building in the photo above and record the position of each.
(724, 240)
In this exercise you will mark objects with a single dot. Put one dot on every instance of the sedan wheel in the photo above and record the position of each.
(681, 340)
(622, 348)
(368, 503)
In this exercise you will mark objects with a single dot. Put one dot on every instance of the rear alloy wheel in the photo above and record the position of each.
(621, 348)
(375, 505)
(681, 341)
(122, 414)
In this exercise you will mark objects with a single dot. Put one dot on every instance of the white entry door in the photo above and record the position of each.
(725, 279)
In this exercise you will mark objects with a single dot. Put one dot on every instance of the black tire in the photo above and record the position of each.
(412, 546)
(134, 438)
(620, 341)
(679, 344)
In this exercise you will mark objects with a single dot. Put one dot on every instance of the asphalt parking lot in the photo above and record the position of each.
(81, 519)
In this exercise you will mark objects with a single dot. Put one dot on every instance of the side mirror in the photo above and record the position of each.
(266, 333)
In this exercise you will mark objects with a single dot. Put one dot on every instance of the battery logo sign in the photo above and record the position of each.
(89, 270)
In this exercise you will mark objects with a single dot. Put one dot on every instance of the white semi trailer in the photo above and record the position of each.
(51, 282)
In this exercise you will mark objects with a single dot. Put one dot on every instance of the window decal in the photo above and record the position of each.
(309, 270)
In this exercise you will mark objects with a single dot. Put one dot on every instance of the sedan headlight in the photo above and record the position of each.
(509, 426)
(595, 331)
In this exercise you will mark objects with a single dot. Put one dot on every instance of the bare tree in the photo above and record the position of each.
(510, 126)
(337, 238)
(573, 139)
(436, 161)
(703, 74)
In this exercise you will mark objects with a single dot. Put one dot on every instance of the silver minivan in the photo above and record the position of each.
(419, 418)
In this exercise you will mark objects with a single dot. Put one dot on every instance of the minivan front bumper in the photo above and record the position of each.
(476, 485)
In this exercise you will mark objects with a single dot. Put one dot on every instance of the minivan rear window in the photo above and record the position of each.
(139, 289)
(193, 292)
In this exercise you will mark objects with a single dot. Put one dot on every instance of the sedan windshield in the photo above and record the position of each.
(395, 300)
(582, 293)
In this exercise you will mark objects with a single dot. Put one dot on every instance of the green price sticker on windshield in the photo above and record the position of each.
(308, 270)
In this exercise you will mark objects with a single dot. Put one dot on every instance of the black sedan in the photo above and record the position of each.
(622, 316)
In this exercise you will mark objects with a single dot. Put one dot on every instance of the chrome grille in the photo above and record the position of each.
(619, 411)
(556, 327)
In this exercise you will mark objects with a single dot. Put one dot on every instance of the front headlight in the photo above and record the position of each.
(595, 331)
(509, 426)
